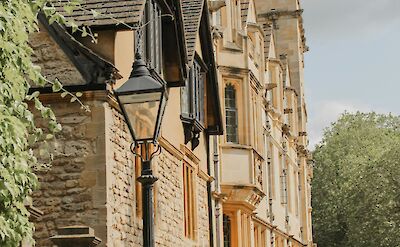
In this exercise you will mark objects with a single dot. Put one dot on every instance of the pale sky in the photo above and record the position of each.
(354, 59)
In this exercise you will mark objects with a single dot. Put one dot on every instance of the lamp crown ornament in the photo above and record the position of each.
(139, 67)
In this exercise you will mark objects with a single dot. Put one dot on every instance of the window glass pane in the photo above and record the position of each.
(185, 99)
(151, 39)
(192, 100)
(231, 114)
(143, 118)
(227, 230)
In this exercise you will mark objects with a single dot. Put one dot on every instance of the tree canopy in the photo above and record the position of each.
(356, 185)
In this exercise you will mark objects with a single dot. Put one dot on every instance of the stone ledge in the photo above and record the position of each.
(78, 236)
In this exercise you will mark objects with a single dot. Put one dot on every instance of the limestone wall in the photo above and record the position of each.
(72, 191)
(124, 227)
(92, 182)
(52, 60)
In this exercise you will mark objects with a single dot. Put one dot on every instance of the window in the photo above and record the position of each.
(283, 179)
(189, 201)
(271, 175)
(193, 94)
(289, 187)
(227, 228)
(231, 114)
(259, 236)
(151, 36)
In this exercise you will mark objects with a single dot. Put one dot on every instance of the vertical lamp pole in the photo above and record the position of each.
(142, 100)
(147, 179)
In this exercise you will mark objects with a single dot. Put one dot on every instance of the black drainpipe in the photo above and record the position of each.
(210, 208)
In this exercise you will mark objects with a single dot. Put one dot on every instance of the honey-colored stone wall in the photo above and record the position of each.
(124, 228)
(72, 191)
(52, 60)
(92, 182)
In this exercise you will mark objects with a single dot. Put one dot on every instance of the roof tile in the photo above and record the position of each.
(192, 12)
(111, 12)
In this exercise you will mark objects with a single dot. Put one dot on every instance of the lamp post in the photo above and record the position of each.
(142, 100)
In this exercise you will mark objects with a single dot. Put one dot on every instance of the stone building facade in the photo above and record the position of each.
(91, 195)
(233, 170)
(264, 177)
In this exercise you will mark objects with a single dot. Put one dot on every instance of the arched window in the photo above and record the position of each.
(231, 114)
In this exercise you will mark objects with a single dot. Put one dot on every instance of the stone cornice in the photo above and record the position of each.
(203, 175)
(233, 71)
(270, 226)
(248, 195)
(275, 14)
(189, 154)
(164, 143)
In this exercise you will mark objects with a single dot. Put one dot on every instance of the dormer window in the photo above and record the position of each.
(192, 100)
(193, 94)
(151, 35)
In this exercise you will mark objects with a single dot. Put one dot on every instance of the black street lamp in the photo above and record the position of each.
(142, 100)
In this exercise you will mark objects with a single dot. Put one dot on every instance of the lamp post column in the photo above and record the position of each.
(147, 179)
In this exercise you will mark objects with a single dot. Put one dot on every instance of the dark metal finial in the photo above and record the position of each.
(139, 67)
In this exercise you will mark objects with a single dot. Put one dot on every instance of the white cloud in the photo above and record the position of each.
(322, 114)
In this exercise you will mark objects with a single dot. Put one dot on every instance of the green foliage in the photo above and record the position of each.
(356, 185)
(18, 133)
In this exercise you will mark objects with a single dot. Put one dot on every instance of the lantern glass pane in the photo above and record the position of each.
(142, 111)
(139, 98)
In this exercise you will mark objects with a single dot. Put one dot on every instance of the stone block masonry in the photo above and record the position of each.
(52, 60)
(72, 191)
(124, 227)
(92, 182)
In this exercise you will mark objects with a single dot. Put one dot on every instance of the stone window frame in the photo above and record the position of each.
(190, 162)
(227, 230)
(189, 189)
(260, 235)
(283, 180)
(271, 170)
(241, 225)
(236, 84)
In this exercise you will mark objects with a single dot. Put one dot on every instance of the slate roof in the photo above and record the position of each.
(127, 11)
(192, 12)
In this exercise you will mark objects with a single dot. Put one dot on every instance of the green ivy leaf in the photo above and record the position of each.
(63, 94)
(57, 86)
